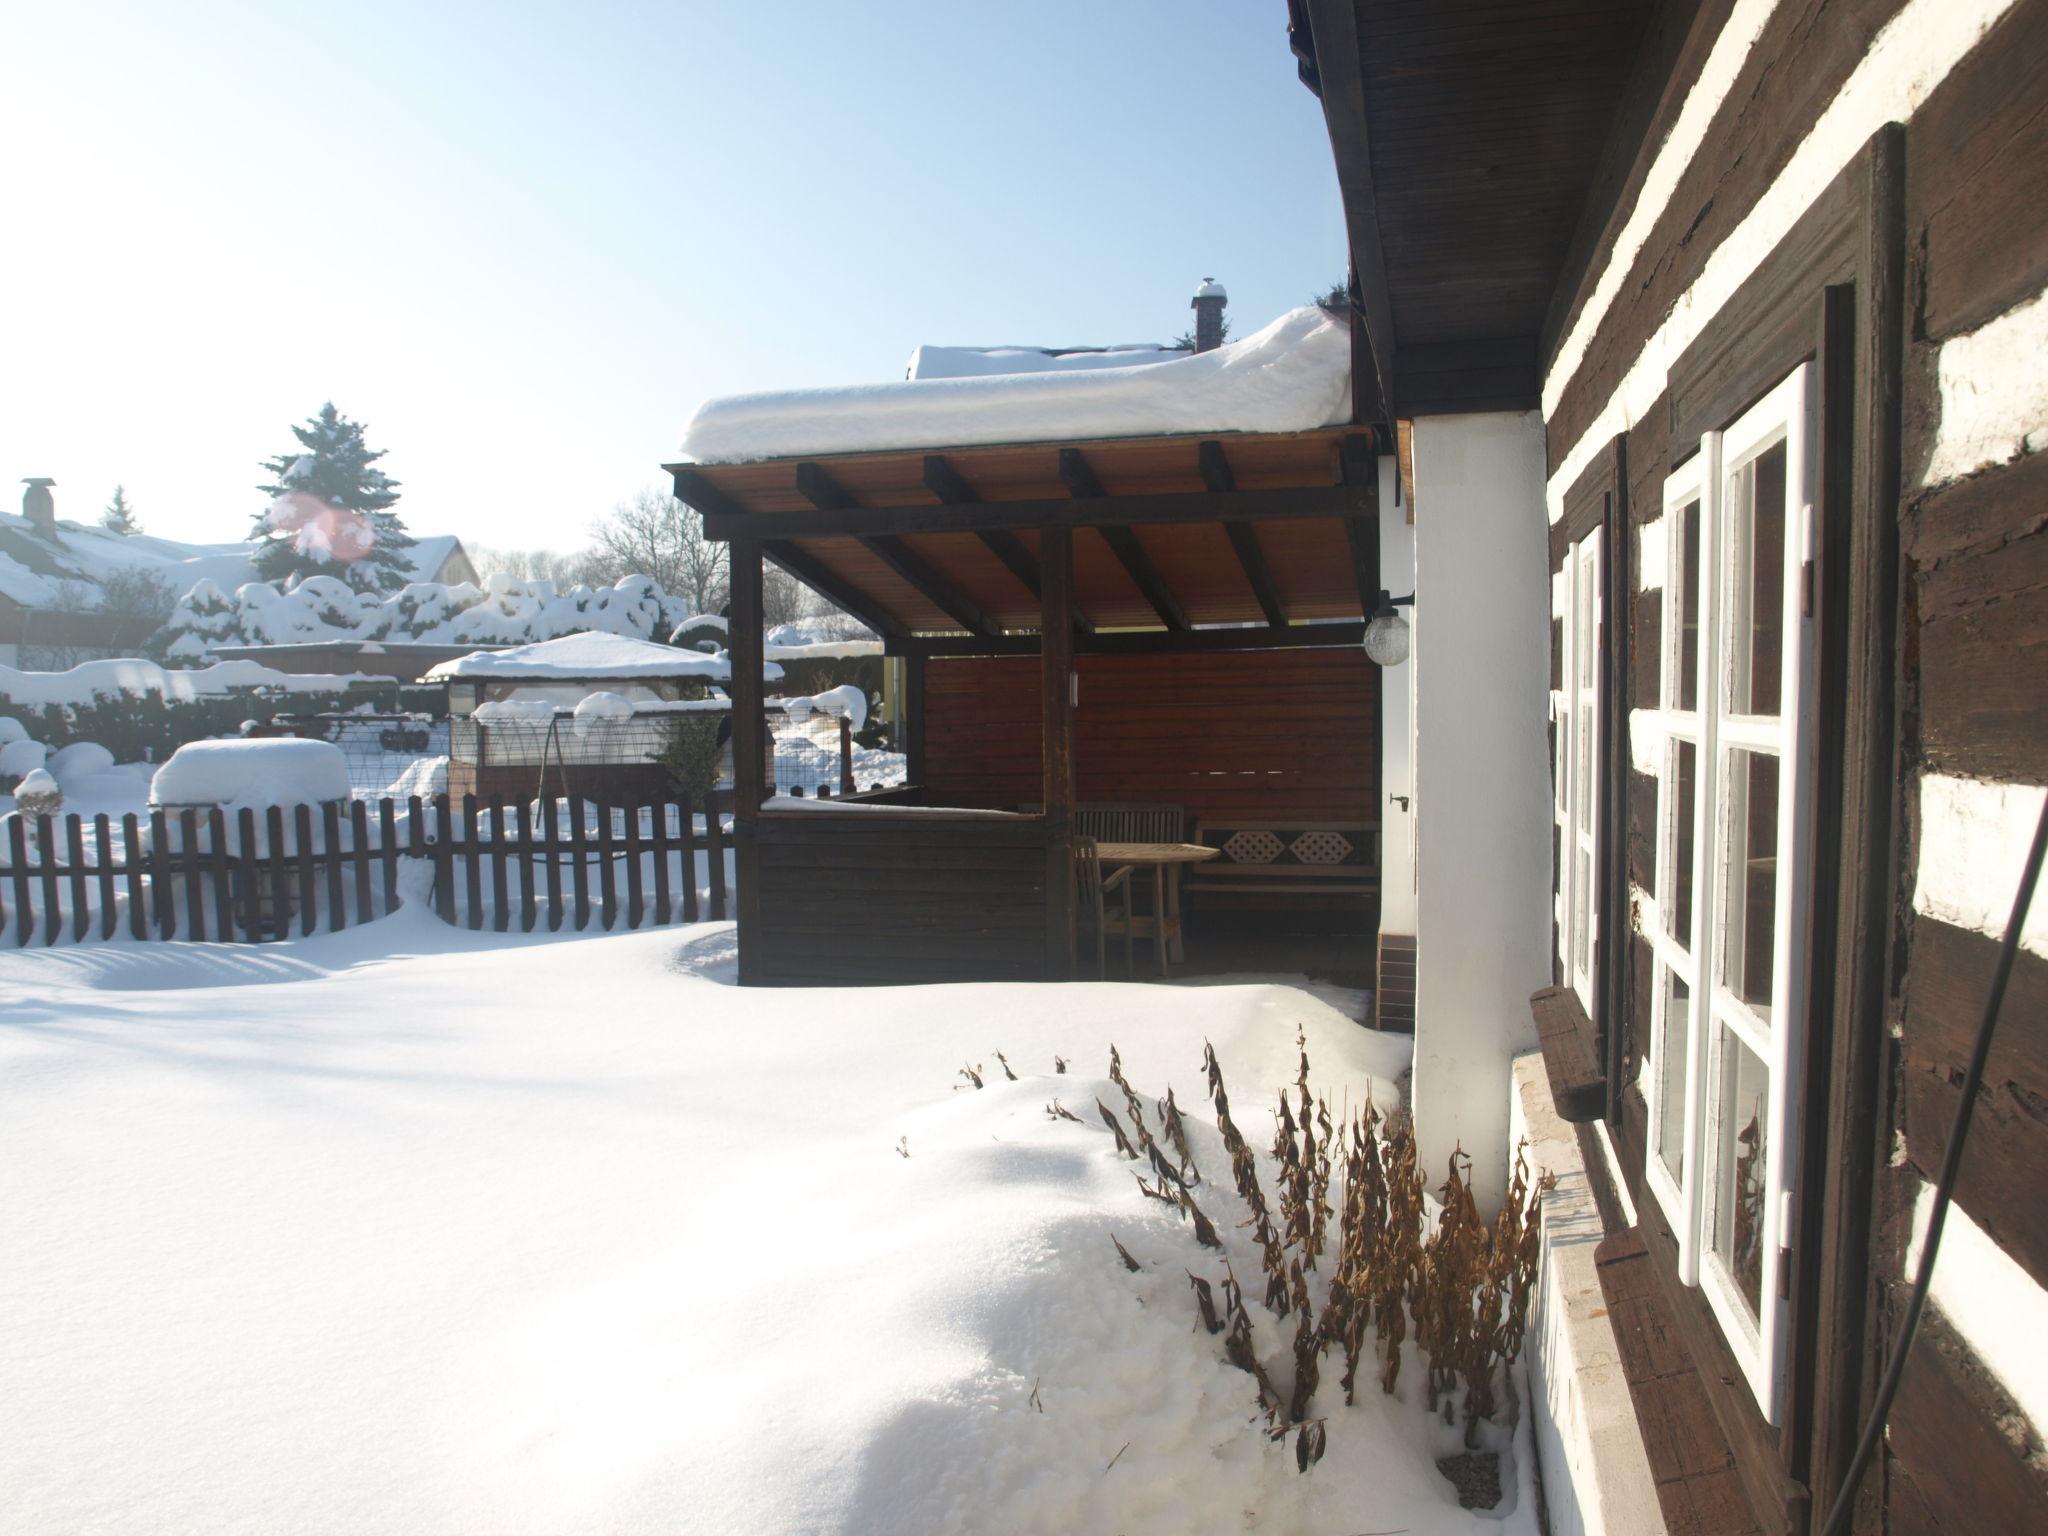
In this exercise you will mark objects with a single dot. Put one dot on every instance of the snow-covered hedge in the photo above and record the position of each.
(504, 611)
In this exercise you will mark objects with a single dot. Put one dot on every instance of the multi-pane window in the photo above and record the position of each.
(1578, 769)
(1731, 868)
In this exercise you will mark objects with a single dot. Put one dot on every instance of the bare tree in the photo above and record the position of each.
(137, 603)
(653, 534)
(564, 570)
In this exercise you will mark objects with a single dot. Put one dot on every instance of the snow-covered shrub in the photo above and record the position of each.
(79, 761)
(38, 795)
(690, 752)
(506, 611)
(11, 730)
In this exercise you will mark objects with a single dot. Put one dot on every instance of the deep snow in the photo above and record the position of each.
(409, 1229)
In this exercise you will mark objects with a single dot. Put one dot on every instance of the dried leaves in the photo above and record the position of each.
(1351, 1193)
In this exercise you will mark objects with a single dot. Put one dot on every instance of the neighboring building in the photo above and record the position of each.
(1721, 330)
(53, 576)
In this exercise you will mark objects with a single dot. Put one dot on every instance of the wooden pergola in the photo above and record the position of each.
(1163, 547)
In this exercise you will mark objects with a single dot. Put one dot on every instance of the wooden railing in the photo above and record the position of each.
(256, 876)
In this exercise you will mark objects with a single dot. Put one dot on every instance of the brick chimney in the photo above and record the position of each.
(1208, 305)
(39, 506)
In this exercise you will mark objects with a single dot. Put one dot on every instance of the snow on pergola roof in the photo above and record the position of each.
(1292, 376)
(592, 656)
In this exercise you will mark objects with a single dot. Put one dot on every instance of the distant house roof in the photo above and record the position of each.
(34, 567)
(979, 362)
(589, 657)
(1293, 376)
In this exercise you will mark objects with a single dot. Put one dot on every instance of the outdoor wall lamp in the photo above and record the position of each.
(1386, 632)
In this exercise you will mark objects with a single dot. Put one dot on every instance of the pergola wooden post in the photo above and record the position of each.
(749, 768)
(1056, 652)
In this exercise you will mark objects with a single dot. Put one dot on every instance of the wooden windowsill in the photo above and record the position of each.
(1571, 1055)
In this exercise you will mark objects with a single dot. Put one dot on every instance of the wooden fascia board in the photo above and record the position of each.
(1334, 27)
(730, 522)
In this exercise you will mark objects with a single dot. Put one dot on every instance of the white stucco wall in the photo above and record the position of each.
(1596, 1472)
(1482, 828)
(1397, 822)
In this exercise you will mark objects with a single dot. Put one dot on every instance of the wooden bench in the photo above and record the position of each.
(1289, 858)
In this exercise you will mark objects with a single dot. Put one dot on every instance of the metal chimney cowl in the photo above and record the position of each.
(39, 506)
(1208, 304)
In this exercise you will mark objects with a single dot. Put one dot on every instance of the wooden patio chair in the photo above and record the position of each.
(1098, 911)
(1131, 821)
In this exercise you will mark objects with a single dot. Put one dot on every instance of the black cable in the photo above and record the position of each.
(1944, 1187)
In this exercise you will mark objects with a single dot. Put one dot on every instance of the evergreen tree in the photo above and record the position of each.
(120, 515)
(363, 542)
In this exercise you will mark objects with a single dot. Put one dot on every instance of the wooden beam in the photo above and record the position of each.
(1144, 642)
(951, 487)
(912, 745)
(1056, 675)
(1080, 479)
(919, 573)
(1218, 476)
(816, 485)
(1096, 512)
(749, 747)
(1333, 26)
(694, 490)
(1361, 469)
(800, 564)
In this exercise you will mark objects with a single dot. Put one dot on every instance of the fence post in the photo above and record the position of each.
(103, 835)
(501, 906)
(17, 853)
(163, 882)
(658, 828)
(131, 840)
(359, 834)
(302, 829)
(330, 829)
(528, 869)
(387, 849)
(634, 904)
(552, 854)
(74, 847)
(472, 872)
(275, 878)
(580, 873)
(845, 755)
(444, 860)
(46, 857)
(688, 822)
(249, 857)
(223, 881)
(714, 856)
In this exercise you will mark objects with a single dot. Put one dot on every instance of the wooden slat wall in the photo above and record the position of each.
(1269, 734)
(860, 897)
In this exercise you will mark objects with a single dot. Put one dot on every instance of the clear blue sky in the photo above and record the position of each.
(523, 241)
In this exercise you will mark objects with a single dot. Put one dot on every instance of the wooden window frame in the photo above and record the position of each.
(1831, 292)
(1718, 731)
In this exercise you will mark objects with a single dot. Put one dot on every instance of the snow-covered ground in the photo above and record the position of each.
(410, 1229)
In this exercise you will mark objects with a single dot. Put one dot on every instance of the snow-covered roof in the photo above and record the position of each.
(593, 655)
(981, 362)
(1292, 376)
(33, 567)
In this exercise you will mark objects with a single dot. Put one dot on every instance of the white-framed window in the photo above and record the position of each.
(1732, 875)
(1576, 714)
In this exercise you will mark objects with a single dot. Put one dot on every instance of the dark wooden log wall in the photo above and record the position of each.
(1971, 650)
(861, 896)
(1265, 735)
(1975, 705)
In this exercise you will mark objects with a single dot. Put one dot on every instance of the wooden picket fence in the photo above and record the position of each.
(199, 875)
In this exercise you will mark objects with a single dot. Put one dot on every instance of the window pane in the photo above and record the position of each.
(1582, 887)
(1750, 911)
(1756, 500)
(1742, 1095)
(1674, 1051)
(1584, 809)
(1587, 641)
(1688, 617)
(1685, 797)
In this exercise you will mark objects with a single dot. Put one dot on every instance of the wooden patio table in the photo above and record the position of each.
(1165, 861)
